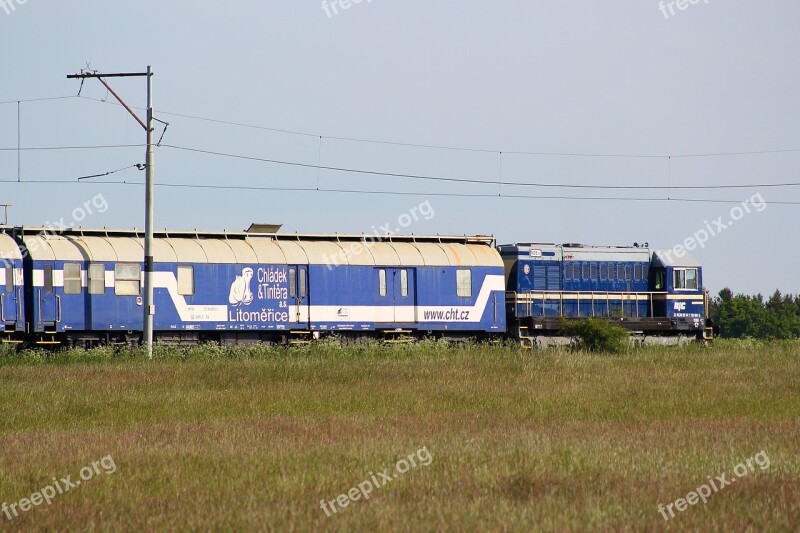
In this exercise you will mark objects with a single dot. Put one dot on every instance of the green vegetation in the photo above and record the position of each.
(596, 335)
(253, 438)
(743, 316)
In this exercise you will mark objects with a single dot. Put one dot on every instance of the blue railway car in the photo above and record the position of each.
(648, 292)
(85, 286)
(12, 297)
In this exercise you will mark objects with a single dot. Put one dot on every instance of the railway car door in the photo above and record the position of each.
(8, 296)
(298, 295)
(47, 301)
(404, 295)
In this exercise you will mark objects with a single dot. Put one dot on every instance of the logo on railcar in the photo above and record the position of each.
(240, 293)
(272, 296)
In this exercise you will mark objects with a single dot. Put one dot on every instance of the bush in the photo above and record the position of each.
(596, 335)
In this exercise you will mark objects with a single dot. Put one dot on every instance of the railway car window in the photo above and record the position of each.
(404, 283)
(302, 283)
(603, 272)
(292, 283)
(72, 278)
(186, 280)
(9, 278)
(637, 272)
(567, 271)
(127, 280)
(382, 282)
(97, 278)
(593, 274)
(685, 279)
(645, 272)
(464, 283)
(48, 279)
(585, 271)
(628, 273)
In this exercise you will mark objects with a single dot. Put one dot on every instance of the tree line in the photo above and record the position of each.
(741, 315)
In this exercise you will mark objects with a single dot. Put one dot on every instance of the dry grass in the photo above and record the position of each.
(254, 439)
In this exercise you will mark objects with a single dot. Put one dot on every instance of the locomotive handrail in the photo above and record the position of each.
(2, 309)
(39, 295)
(58, 299)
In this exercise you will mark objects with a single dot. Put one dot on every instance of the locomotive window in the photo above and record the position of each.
(585, 271)
(593, 274)
(97, 278)
(72, 278)
(658, 279)
(691, 279)
(464, 283)
(127, 279)
(628, 273)
(567, 271)
(302, 283)
(404, 283)
(292, 283)
(48, 279)
(185, 280)
(645, 272)
(382, 282)
(9, 278)
(685, 279)
(603, 272)
(637, 272)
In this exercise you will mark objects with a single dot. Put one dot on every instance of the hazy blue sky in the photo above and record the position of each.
(567, 77)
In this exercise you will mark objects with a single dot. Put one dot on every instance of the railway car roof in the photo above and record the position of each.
(244, 248)
(8, 248)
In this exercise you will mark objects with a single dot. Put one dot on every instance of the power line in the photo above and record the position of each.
(406, 193)
(462, 149)
(110, 172)
(23, 101)
(477, 181)
(46, 148)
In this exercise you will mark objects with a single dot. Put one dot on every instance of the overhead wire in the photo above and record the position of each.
(462, 148)
(497, 182)
(422, 193)
(475, 181)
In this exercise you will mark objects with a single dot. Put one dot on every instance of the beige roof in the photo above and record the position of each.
(185, 247)
(9, 248)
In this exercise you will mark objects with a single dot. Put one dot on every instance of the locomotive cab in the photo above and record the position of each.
(677, 286)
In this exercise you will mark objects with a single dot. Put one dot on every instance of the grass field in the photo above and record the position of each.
(253, 439)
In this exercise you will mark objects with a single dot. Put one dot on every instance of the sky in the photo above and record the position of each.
(634, 93)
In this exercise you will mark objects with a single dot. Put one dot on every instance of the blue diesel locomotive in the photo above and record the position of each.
(84, 287)
(655, 294)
